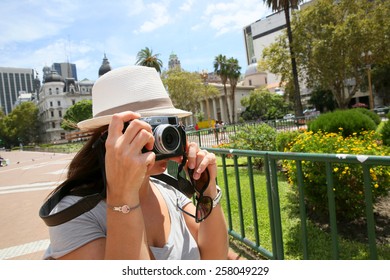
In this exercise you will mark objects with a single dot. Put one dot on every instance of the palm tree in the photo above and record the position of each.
(233, 76)
(145, 57)
(220, 68)
(279, 5)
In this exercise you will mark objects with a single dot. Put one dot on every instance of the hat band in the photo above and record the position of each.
(138, 106)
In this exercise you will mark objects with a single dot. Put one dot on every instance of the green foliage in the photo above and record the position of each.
(346, 121)
(145, 57)
(323, 100)
(263, 104)
(385, 131)
(254, 137)
(78, 112)
(185, 89)
(20, 126)
(328, 42)
(284, 140)
(348, 178)
(370, 114)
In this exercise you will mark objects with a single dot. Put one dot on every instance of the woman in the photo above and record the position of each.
(140, 217)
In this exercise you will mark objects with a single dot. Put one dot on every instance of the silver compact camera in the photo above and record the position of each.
(169, 136)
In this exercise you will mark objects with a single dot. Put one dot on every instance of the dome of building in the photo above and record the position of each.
(46, 69)
(53, 77)
(106, 67)
(251, 70)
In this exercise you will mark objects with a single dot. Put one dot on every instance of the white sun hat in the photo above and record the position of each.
(131, 88)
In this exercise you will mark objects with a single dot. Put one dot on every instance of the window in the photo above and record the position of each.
(51, 103)
(57, 90)
(60, 114)
(52, 114)
(58, 103)
(53, 125)
(50, 91)
(73, 101)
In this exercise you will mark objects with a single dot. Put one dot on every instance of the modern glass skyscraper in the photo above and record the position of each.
(66, 70)
(13, 82)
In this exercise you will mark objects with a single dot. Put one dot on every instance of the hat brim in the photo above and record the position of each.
(97, 122)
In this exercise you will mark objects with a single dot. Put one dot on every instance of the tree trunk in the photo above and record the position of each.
(297, 95)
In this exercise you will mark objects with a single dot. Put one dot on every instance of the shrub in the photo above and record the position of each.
(374, 116)
(284, 139)
(351, 121)
(348, 178)
(254, 137)
(385, 131)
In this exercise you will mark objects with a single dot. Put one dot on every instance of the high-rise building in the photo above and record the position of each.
(65, 70)
(13, 82)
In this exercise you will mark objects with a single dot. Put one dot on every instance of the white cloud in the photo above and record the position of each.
(233, 16)
(158, 16)
(186, 6)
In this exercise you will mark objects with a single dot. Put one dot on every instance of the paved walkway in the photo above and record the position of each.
(24, 184)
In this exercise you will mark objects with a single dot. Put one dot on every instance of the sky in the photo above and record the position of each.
(37, 33)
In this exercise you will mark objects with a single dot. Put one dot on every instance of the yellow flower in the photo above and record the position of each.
(376, 186)
(335, 169)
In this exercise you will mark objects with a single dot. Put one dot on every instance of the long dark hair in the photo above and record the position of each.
(85, 170)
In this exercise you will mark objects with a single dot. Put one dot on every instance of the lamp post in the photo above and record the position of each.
(368, 59)
(204, 75)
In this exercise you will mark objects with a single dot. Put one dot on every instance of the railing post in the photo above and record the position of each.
(275, 219)
(369, 212)
(253, 200)
(332, 210)
(302, 208)
(239, 199)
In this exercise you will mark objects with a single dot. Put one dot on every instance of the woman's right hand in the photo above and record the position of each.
(126, 165)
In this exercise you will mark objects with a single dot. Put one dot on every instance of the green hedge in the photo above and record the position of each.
(346, 121)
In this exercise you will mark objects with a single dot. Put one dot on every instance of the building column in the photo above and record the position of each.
(215, 114)
(223, 109)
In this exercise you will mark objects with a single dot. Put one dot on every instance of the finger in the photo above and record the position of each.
(116, 125)
(142, 139)
(192, 150)
(205, 160)
(134, 128)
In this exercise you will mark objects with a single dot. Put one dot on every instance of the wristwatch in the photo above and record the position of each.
(218, 197)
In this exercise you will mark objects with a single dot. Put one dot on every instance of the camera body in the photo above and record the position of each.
(169, 136)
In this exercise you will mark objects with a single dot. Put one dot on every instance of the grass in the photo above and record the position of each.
(319, 240)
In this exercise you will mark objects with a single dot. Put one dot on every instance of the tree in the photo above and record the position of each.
(220, 68)
(285, 5)
(233, 73)
(20, 126)
(263, 104)
(329, 40)
(76, 113)
(335, 36)
(185, 89)
(322, 100)
(381, 82)
(145, 57)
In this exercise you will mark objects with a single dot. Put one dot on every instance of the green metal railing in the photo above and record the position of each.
(272, 173)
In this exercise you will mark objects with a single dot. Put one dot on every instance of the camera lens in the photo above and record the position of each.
(166, 138)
